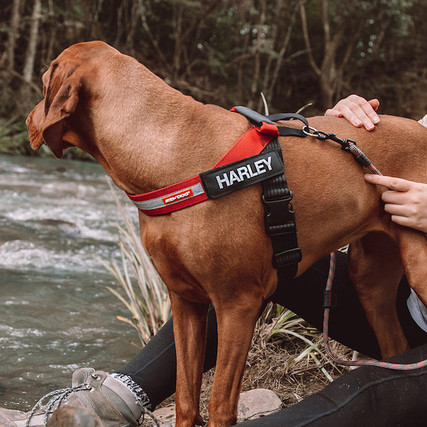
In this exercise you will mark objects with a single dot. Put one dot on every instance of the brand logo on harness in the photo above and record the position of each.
(245, 172)
(225, 179)
(178, 197)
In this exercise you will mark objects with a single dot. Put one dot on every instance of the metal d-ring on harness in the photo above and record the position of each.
(350, 146)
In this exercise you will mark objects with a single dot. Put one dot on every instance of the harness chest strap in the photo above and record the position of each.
(241, 166)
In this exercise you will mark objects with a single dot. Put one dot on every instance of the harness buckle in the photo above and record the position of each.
(279, 215)
(280, 225)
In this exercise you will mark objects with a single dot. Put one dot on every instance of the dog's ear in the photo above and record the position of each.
(47, 122)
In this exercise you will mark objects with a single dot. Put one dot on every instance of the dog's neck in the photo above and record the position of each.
(163, 138)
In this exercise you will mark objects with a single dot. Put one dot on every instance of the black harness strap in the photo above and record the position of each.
(279, 215)
(279, 220)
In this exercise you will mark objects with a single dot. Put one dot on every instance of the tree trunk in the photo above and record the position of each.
(327, 71)
(52, 36)
(13, 34)
(32, 45)
(270, 84)
(257, 55)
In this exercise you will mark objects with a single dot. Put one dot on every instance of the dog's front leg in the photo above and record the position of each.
(189, 325)
(236, 323)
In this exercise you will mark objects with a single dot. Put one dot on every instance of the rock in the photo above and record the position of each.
(252, 404)
(72, 416)
(8, 417)
(257, 403)
(165, 415)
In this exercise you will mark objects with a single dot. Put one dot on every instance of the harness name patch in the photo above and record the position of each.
(223, 180)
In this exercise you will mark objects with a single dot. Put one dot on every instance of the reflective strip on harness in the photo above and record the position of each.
(172, 198)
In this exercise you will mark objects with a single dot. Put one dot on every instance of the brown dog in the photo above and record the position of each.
(148, 135)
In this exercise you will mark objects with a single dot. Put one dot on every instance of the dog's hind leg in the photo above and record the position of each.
(189, 325)
(375, 269)
(413, 249)
(236, 323)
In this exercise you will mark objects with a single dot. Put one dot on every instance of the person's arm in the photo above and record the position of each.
(407, 204)
(357, 110)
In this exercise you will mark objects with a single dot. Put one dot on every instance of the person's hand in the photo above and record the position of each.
(357, 110)
(407, 204)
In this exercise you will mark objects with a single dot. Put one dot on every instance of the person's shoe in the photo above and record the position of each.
(106, 397)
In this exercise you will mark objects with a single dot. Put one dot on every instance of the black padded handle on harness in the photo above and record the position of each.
(257, 119)
(287, 116)
(286, 131)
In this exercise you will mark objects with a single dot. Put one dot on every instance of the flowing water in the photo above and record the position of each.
(55, 312)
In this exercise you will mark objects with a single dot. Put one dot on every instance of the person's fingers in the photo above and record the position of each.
(405, 221)
(333, 112)
(393, 183)
(357, 110)
(374, 103)
(351, 114)
(398, 210)
(370, 109)
(396, 197)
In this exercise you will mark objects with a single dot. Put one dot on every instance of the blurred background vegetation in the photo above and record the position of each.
(226, 52)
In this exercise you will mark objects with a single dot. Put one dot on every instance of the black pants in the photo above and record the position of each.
(154, 368)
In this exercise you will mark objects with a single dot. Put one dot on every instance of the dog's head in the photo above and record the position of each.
(63, 82)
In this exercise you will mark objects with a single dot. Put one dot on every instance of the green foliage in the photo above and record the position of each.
(227, 52)
(279, 323)
(14, 136)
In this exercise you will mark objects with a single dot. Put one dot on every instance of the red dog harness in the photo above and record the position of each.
(255, 157)
(199, 188)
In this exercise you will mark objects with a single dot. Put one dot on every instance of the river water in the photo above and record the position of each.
(55, 312)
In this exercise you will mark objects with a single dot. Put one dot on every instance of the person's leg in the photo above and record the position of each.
(154, 367)
(152, 371)
(368, 396)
